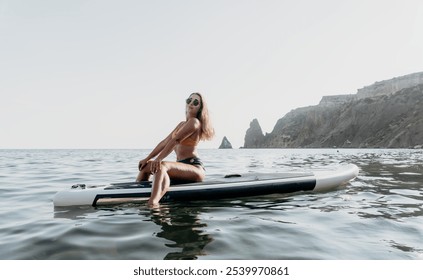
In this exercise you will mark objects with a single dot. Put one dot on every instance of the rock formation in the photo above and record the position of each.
(376, 117)
(225, 144)
(254, 137)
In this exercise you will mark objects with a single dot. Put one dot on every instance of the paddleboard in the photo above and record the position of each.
(229, 186)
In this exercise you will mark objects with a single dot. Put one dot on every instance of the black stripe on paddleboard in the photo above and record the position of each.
(256, 177)
(261, 188)
(198, 192)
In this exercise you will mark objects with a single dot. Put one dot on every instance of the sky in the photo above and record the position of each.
(115, 74)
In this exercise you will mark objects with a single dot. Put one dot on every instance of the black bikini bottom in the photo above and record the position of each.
(192, 161)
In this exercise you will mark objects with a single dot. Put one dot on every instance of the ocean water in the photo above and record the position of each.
(379, 215)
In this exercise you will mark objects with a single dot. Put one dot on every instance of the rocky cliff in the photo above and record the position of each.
(391, 86)
(375, 117)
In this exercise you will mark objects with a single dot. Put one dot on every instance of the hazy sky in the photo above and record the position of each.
(115, 74)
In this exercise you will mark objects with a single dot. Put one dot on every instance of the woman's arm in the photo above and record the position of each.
(188, 128)
(158, 149)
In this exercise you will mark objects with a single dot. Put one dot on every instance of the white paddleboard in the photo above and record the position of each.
(228, 187)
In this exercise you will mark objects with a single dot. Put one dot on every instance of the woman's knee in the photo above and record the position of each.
(164, 166)
(147, 167)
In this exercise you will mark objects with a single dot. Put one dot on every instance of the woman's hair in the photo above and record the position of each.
(207, 130)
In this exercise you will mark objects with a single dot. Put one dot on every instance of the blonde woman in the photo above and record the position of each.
(183, 140)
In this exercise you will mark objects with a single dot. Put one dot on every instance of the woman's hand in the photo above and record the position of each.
(156, 165)
(142, 164)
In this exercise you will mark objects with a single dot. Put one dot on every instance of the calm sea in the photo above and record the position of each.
(377, 216)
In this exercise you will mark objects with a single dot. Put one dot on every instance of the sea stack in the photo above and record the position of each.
(254, 137)
(225, 144)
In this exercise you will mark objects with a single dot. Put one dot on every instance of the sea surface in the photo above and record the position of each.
(379, 215)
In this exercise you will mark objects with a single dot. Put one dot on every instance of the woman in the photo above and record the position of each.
(183, 140)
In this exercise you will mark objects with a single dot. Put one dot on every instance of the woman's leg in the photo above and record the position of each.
(161, 185)
(144, 174)
(174, 171)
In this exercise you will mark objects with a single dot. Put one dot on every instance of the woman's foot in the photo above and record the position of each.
(153, 204)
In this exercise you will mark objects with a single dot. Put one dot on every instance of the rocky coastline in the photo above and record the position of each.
(387, 114)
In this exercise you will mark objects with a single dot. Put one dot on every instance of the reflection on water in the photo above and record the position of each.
(184, 228)
(179, 226)
(377, 216)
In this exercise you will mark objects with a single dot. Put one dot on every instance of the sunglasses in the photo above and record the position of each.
(195, 102)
